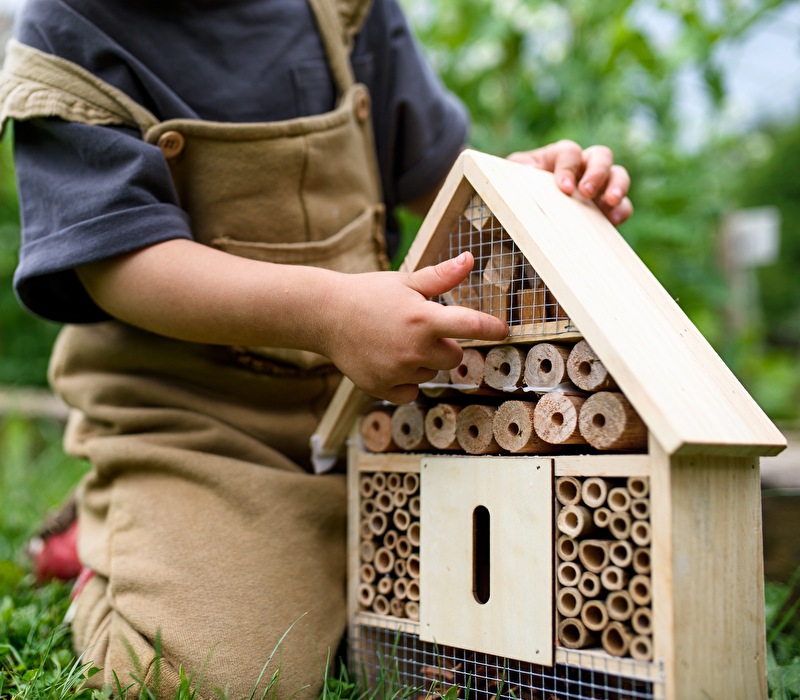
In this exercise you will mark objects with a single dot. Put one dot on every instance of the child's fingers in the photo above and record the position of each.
(437, 279)
(461, 322)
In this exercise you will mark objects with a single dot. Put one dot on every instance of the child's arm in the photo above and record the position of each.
(378, 328)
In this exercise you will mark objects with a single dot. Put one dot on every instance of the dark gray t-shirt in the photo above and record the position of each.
(89, 193)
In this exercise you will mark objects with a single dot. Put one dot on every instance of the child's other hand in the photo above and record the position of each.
(591, 170)
(387, 335)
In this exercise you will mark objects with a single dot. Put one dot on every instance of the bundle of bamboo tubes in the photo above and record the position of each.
(389, 539)
(603, 591)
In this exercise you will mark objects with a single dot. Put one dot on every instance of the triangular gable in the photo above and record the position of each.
(688, 398)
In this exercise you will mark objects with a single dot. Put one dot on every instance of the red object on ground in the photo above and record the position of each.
(55, 556)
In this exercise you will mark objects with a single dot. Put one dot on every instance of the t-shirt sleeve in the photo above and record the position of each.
(86, 193)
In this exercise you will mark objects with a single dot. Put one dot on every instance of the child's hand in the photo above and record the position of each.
(388, 337)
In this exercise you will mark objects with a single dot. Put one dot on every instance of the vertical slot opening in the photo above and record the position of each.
(480, 554)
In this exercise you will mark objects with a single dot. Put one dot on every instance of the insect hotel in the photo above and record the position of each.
(574, 513)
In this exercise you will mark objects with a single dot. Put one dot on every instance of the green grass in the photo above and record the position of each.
(36, 659)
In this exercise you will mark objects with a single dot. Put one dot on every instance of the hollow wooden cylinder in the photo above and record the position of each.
(412, 610)
(410, 483)
(567, 548)
(368, 507)
(390, 539)
(640, 508)
(568, 490)
(403, 547)
(384, 501)
(412, 566)
(641, 648)
(568, 574)
(594, 491)
(569, 601)
(400, 588)
(513, 429)
(366, 573)
(555, 419)
(639, 486)
(641, 560)
(589, 585)
(400, 568)
(594, 615)
(396, 607)
(393, 481)
(574, 521)
(381, 605)
(408, 427)
(601, 516)
(594, 554)
(376, 431)
(613, 578)
(640, 532)
(440, 426)
(413, 533)
(642, 621)
(384, 585)
(619, 499)
(413, 590)
(546, 365)
(414, 506)
(366, 595)
(621, 553)
(609, 422)
(619, 525)
(364, 529)
(572, 634)
(365, 485)
(400, 499)
(474, 430)
(366, 550)
(378, 522)
(401, 519)
(504, 367)
(640, 589)
(586, 370)
(379, 481)
(383, 560)
(620, 605)
(471, 368)
(616, 639)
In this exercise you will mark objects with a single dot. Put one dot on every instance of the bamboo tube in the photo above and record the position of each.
(366, 487)
(471, 368)
(390, 539)
(384, 560)
(364, 529)
(619, 525)
(640, 590)
(555, 419)
(401, 519)
(569, 601)
(412, 589)
(376, 431)
(385, 585)
(573, 634)
(594, 615)
(403, 546)
(642, 621)
(589, 585)
(378, 522)
(366, 550)
(609, 422)
(379, 481)
(601, 517)
(505, 367)
(393, 481)
(366, 573)
(594, 554)
(621, 553)
(410, 483)
(641, 560)
(400, 568)
(440, 426)
(400, 588)
(400, 499)
(412, 565)
(586, 370)
(641, 648)
(594, 491)
(640, 508)
(620, 605)
(639, 486)
(414, 533)
(396, 607)
(381, 605)
(568, 490)
(567, 548)
(613, 578)
(368, 507)
(574, 521)
(568, 574)
(414, 506)
(640, 532)
(366, 595)
(619, 499)
(412, 610)
(384, 501)
(474, 430)
(408, 427)
(546, 365)
(616, 639)
(514, 430)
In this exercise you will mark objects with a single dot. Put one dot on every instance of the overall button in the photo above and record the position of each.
(362, 106)
(171, 144)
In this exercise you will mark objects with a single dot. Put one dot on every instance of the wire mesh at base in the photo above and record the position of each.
(401, 661)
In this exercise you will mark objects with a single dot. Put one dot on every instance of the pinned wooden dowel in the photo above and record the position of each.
(587, 371)
(639, 486)
(572, 634)
(619, 499)
(594, 615)
(366, 573)
(619, 525)
(613, 578)
(440, 426)
(376, 431)
(504, 367)
(640, 532)
(621, 553)
(620, 605)
(383, 560)
(640, 590)
(568, 490)
(641, 648)
(366, 595)
(569, 574)
(574, 521)
(546, 365)
(594, 554)
(589, 585)
(640, 508)
(609, 422)
(595, 491)
(474, 430)
(567, 548)
(471, 368)
(569, 601)
(601, 517)
(555, 419)
(381, 605)
(642, 621)
(408, 427)
(616, 639)
(641, 560)
(513, 429)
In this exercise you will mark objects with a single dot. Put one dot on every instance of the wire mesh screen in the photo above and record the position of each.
(391, 660)
(502, 282)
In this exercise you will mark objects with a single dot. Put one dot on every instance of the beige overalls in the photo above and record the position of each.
(200, 516)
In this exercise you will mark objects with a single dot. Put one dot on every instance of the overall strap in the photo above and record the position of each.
(37, 84)
(337, 40)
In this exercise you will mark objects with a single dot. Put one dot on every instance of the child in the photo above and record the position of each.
(204, 186)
